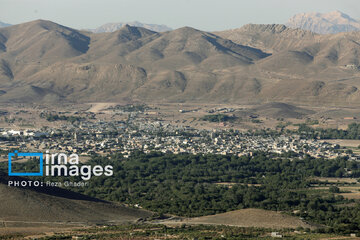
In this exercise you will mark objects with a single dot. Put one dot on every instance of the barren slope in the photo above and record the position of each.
(269, 37)
(44, 61)
(332, 22)
(46, 204)
(250, 218)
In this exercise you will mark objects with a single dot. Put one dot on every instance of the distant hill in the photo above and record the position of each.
(42, 61)
(112, 27)
(51, 204)
(2, 24)
(324, 23)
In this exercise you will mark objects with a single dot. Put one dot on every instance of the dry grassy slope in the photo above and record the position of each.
(57, 205)
(44, 61)
(252, 218)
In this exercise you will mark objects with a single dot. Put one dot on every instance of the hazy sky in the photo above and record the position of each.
(202, 14)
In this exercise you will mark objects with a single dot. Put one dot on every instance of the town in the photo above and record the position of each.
(88, 136)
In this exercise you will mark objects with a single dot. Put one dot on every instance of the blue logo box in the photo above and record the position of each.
(32, 174)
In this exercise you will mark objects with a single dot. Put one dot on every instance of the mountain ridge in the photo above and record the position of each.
(324, 23)
(2, 24)
(41, 61)
(112, 27)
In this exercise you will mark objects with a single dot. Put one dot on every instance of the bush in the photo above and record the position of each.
(334, 189)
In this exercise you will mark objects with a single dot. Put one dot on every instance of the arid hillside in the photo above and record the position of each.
(324, 23)
(51, 204)
(42, 61)
(248, 218)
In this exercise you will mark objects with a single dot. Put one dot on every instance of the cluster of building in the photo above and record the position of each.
(89, 137)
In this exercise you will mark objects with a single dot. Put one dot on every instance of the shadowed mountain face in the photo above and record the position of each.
(47, 62)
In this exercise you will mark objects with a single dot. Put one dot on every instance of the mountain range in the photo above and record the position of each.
(41, 61)
(326, 23)
(2, 24)
(112, 27)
